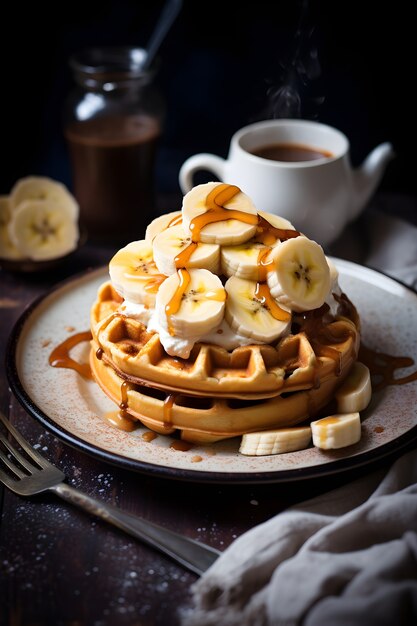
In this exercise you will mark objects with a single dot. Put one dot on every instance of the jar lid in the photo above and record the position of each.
(106, 64)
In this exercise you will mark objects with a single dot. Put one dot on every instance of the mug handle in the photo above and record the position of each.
(203, 161)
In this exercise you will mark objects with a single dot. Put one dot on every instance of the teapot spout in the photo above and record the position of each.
(367, 177)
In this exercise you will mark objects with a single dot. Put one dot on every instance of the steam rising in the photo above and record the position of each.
(288, 96)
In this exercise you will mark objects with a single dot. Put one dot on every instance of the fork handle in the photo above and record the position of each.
(192, 554)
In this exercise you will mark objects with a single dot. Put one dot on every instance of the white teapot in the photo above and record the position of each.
(320, 194)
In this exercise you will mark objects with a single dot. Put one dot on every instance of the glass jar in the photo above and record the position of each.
(112, 123)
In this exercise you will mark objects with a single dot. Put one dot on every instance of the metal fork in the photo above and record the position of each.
(29, 477)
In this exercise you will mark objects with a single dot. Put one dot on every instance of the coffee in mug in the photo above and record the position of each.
(291, 152)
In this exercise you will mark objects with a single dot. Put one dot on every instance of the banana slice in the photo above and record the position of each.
(276, 220)
(161, 223)
(266, 235)
(7, 249)
(356, 391)
(244, 260)
(134, 274)
(334, 273)
(44, 188)
(300, 277)
(40, 229)
(5, 212)
(275, 441)
(336, 431)
(215, 201)
(190, 303)
(252, 312)
(174, 245)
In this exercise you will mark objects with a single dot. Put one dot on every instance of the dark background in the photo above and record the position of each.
(348, 64)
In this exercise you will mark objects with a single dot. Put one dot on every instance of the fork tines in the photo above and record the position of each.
(9, 454)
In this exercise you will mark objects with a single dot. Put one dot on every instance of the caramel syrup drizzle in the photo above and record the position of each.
(153, 284)
(176, 221)
(383, 366)
(183, 257)
(268, 234)
(144, 270)
(321, 335)
(262, 292)
(168, 404)
(216, 212)
(60, 357)
(174, 304)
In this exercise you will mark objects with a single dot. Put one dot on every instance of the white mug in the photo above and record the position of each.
(318, 196)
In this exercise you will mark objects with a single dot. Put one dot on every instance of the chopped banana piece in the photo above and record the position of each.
(162, 222)
(254, 313)
(173, 249)
(134, 274)
(300, 275)
(190, 303)
(240, 216)
(356, 391)
(275, 441)
(336, 431)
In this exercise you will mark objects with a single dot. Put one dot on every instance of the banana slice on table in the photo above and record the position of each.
(275, 441)
(5, 212)
(253, 313)
(174, 243)
(162, 222)
(43, 188)
(7, 249)
(300, 277)
(244, 260)
(190, 303)
(215, 201)
(356, 390)
(134, 274)
(336, 431)
(40, 229)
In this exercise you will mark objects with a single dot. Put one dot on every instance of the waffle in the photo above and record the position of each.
(217, 394)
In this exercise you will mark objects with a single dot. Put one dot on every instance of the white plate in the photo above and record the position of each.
(74, 408)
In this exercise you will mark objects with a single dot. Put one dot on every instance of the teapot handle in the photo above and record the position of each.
(203, 161)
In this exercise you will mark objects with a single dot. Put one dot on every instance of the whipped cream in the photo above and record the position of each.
(139, 312)
(331, 300)
(223, 335)
(334, 288)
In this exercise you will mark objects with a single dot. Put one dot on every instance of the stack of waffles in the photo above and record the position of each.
(225, 320)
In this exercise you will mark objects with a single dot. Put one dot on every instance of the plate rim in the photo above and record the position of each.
(390, 449)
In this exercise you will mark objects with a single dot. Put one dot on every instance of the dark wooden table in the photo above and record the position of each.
(61, 566)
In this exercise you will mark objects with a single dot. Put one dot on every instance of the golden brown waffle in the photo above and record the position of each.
(216, 394)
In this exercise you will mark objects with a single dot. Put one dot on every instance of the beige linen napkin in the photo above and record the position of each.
(346, 558)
